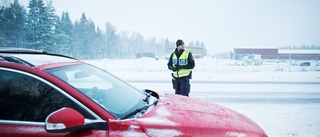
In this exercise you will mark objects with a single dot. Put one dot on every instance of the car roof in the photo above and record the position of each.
(33, 58)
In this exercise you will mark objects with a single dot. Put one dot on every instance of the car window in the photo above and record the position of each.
(25, 98)
(114, 95)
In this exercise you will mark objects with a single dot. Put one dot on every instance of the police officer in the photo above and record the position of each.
(181, 63)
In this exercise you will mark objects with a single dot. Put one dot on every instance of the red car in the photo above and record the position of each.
(43, 94)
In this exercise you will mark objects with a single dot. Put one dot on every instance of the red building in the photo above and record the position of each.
(275, 53)
(299, 54)
(265, 53)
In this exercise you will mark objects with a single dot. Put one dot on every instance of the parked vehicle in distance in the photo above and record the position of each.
(305, 64)
(197, 56)
(240, 63)
(147, 54)
(43, 94)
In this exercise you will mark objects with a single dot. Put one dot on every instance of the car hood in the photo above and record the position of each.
(176, 115)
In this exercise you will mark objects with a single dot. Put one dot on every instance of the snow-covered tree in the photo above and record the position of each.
(79, 42)
(76, 39)
(50, 36)
(151, 44)
(41, 26)
(98, 42)
(111, 42)
(12, 26)
(204, 48)
(83, 37)
(63, 34)
(191, 44)
(197, 44)
(2, 27)
(91, 36)
(125, 45)
(137, 41)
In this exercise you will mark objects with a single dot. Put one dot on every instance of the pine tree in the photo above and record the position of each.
(124, 42)
(50, 28)
(76, 39)
(35, 24)
(98, 43)
(13, 20)
(191, 44)
(41, 25)
(83, 37)
(151, 46)
(137, 42)
(18, 28)
(111, 41)
(167, 43)
(197, 44)
(89, 40)
(63, 34)
(204, 48)
(2, 27)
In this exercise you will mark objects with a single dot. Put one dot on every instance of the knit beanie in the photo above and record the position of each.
(179, 42)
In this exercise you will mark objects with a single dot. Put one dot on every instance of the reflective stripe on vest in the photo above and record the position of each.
(182, 61)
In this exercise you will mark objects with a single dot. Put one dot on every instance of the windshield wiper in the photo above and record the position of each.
(140, 109)
(147, 97)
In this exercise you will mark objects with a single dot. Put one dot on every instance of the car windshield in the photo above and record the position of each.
(116, 96)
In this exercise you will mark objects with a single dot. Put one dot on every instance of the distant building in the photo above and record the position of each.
(146, 54)
(264, 53)
(274, 53)
(299, 54)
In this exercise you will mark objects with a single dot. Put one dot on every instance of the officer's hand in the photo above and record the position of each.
(174, 69)
(178, 67)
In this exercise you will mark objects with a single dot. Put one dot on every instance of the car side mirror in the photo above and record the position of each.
(68, 119)
(64, 120)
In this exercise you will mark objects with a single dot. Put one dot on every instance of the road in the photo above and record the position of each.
(282, 109)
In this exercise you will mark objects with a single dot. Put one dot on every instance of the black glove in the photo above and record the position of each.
(174, 69)
(177, 67)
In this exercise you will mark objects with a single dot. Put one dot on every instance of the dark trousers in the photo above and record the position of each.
(182, 86)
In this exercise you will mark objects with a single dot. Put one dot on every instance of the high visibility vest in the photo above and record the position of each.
(182, 61)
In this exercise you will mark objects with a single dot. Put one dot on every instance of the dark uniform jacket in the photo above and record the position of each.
(190, 64)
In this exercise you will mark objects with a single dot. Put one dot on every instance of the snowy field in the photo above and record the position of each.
(281, 98)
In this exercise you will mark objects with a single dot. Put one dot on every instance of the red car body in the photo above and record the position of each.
(172, 115)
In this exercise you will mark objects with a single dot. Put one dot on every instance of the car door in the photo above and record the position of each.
(25, 102)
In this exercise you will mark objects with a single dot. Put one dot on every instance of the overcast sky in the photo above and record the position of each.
(220, 24)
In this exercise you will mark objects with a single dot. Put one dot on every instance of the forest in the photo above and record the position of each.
(39, 27)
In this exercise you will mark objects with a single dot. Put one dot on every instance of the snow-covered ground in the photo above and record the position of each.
(210, 69)
(281, 98)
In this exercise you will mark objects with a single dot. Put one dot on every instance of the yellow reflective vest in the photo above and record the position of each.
(182, 61)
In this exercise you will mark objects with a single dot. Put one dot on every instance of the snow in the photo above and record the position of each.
(235, 134)
(162, 117)
(163, 132)
(284, 100)
(209, 69)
